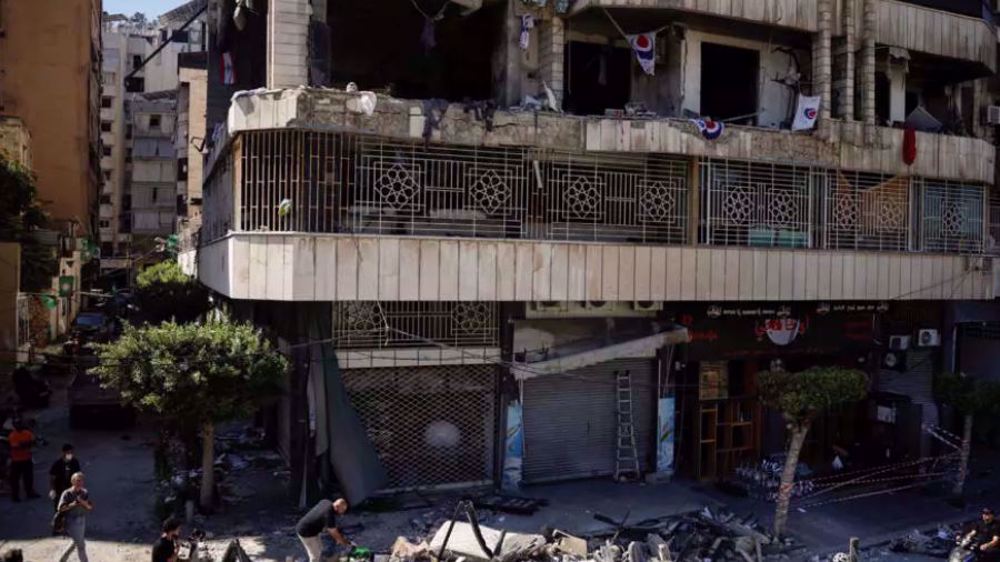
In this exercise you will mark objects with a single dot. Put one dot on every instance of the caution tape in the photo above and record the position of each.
(870, 494)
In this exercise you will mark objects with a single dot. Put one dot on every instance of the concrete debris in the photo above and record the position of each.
(568, 544)
(938, 543)
(709, 534)
(507, 546)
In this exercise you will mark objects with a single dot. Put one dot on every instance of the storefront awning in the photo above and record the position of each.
(641, 347)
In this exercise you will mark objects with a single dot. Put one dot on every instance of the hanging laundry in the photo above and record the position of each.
(644, 47)
(434, 112)
(427, 38)
(228, 69)
(709, 129)
(527, 23)
(806, 112)
(909, 146)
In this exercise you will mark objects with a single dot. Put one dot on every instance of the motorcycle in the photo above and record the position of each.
(967, 550)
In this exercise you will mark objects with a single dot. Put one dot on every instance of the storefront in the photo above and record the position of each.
(721, 424)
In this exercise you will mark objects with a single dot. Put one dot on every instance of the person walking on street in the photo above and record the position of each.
(165, 549)
(323, 516)
(22, 468)
(75, 503)
(62, 470)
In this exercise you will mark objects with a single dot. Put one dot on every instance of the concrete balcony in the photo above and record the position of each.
(900, 24)
(297, 267)
(936, 32)
(837, 144)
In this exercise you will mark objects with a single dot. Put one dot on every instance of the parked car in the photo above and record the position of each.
(92, 326)
(91, 405)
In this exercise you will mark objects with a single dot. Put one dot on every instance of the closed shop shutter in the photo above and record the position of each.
(917, 381)
(431, 426)
(570, 421)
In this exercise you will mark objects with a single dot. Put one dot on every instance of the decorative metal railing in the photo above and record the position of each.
(866, 211)
(757, 204)
(373, 325)
(952, 216)
(325, 182)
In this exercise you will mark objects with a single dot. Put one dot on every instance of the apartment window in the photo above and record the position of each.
(107, 175)
(154, 122)
(182, 169)
(105, 199)
(105, 223)
(106, 102)
(106, 150)
(105, 126)
(608, 67)
(128, 131)
(156, 194)
(136, 61)
(732, 93)
(107, 249)
(135, 84)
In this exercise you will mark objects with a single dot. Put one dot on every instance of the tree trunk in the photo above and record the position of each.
(963, 464)
(207, 466)
(788, 477)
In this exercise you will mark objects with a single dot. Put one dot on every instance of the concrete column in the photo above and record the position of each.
(868, 70)
(288, 43)
(551, 44)
(850, 41)
(822, 58)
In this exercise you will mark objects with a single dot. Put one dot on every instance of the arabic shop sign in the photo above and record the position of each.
(742, 331)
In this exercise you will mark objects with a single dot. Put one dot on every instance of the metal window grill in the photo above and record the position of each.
(217, 197)
(362, 325)
(329, 182)
(993, 238)
(756, 204)
(951, 216)
(866, 211)
(431, 426)
(616, 198)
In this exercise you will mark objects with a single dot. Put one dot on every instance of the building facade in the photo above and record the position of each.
(47, 43)
(143, 84)
(665, 197)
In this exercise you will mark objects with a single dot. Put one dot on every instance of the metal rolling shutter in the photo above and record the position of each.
(917, 382)
(569, 421)
(406, 409)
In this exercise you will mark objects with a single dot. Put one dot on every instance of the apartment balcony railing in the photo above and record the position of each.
(320, 182)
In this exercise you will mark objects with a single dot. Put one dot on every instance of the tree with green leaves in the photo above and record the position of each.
(164, 292)
(801, 397)
(970, 398)
(21, 215)
(200, 374)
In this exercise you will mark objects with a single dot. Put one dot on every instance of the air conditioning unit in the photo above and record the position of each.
(899, 343)
(647, 306)
(548, 306)
(928, 338)
(599, 306)
(991, 114)
(894, 360)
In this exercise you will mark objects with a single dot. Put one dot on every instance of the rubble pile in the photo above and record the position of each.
(691, 537)
(937, 544)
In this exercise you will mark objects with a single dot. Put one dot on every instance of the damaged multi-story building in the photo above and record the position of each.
(473, 224)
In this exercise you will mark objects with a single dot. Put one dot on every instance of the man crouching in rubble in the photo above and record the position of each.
(323, 516)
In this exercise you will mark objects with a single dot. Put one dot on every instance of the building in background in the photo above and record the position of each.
(47, 43)
(142, 68)
(747, 188)
(190, 140)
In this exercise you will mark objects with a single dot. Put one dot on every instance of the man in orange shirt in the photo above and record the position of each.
(21, 466)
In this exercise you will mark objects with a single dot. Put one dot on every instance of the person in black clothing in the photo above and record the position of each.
(65, 467)
(165, 549)
(323, 516)
(986, 534)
